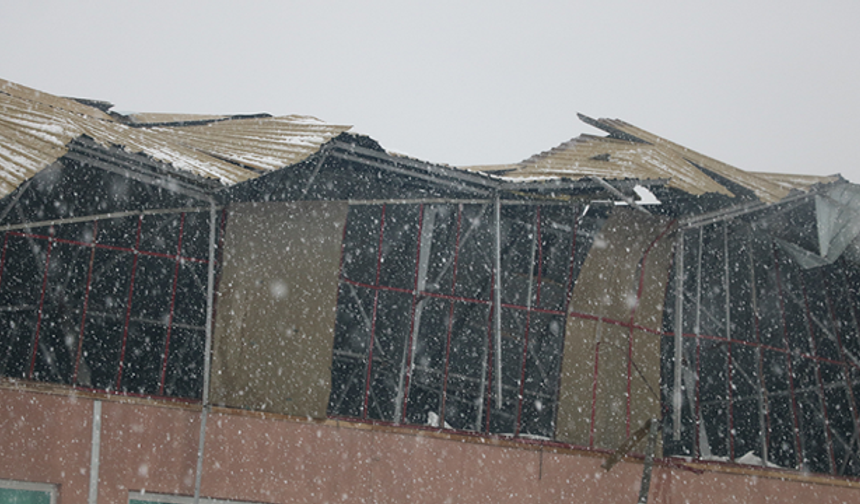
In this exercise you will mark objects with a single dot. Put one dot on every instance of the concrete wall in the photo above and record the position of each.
(45, 437)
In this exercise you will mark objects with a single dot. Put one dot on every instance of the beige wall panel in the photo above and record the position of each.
(276, 307)
(573, 421)
(649, 312)
(610, 425)
(607, 287)
(645, 385)
(608, 280)
(645, 402)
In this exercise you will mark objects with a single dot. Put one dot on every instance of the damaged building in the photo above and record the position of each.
(276, 309)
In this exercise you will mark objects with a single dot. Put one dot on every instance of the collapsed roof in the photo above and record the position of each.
(240, 158)
(505, 298)
(630, 152)
(36, 129)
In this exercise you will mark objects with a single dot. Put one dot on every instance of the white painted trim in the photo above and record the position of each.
(95, 452)
(176, 499)
(30, 486)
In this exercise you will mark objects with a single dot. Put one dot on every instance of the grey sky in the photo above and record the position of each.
(766, 86)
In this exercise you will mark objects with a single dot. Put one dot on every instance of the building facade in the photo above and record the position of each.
(187, 317)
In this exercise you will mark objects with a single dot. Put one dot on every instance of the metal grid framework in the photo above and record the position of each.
(114, 304)
(414, 339)
(769, 354)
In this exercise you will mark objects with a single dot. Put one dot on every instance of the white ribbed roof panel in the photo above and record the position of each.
(35, 128)
(633, 153)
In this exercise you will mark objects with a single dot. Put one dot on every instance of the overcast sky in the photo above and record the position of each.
(765, 86)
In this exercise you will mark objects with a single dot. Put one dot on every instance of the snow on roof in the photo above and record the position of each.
(36, 127)
(629, 152)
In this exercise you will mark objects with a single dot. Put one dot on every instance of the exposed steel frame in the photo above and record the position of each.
(178, 258)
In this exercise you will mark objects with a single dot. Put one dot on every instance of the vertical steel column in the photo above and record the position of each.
(794, 407)
(80, 349)
(426, 224)
(763, 418)
(728, 322)
(177, 261)
(210, 310)
(845, 366)
(645, 487)
(135, 251)
(679, 336)
(535, 250)
(443, 398)
(568, 294)
(367, 380)
(35, 351)
(835, 325)
(497, 297)
(95, 449)
(698, 330)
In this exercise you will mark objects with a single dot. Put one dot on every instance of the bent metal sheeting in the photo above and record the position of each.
(629, 152)
(36, 127)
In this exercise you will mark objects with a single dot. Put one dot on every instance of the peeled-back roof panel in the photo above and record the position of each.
(801, 182)
(613, 159)
(765, 189)
(633, 153)
(618, 159)
(36, 127)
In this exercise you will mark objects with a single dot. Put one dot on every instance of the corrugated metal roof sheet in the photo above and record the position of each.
(765, 189)
(262, 143)
(632, 153)
(167, 117)
(799, 182)
(35, 127)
